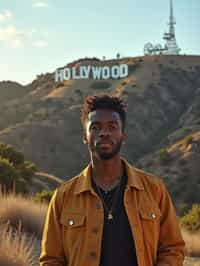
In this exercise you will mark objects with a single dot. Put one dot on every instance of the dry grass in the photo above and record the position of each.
(16, 248)
(192, 241)
(21, 220)
(15, 210)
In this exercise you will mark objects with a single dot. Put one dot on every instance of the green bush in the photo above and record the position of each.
(10, 178)
(8, 173)
(191, 221)
(15, 173)
(98, 85)
(13, 156)
(43, 196)
(164, 156)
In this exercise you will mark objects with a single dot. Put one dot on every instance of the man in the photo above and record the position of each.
(111, 214)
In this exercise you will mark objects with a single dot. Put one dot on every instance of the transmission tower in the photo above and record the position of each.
(170, 38)
(170, 47)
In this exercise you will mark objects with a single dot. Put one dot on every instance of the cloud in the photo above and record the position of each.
(5, 16)
(39, 4)
(13, 37)
(40, 44)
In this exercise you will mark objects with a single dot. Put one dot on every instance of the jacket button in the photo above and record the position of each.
(70, 222)
(95, 230)
(93, 254)
(153, 215)
(97, 206)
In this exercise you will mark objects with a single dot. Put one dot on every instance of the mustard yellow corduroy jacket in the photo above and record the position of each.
(74, 222)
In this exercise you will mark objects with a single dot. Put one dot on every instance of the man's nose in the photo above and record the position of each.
(104, 132)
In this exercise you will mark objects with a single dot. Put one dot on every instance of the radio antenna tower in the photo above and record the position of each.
(171, 45)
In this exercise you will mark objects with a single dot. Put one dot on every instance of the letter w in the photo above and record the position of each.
(96, 71)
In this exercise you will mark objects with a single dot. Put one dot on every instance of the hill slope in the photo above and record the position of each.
(162, 93)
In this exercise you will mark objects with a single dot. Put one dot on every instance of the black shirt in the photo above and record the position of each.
(117, 246)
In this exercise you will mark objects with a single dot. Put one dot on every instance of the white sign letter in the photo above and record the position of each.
(115, 72)
(96, 71)
(59, 75)
(105, 72)
(74, 75)
(123, 71)
(66, 73)
(86, 69)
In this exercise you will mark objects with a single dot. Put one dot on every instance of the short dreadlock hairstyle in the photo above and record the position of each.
(104, 101)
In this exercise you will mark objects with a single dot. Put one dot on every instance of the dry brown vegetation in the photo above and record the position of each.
(16, 209)
(16, 248)
(192, 241)
(21, 222)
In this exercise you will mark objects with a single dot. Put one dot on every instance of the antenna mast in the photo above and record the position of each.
(171, 45)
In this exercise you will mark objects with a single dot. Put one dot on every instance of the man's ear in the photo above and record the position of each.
(84, 138)
(124, 136)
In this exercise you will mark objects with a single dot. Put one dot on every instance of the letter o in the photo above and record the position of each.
(115, 72)
(66, 73)
(105, 72)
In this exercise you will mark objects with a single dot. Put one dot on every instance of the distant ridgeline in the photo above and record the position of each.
(92, 72)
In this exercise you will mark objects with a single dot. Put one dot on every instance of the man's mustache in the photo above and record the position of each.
(100, 141)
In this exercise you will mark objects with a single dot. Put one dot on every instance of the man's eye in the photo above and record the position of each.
(95, 127)
(113, 127)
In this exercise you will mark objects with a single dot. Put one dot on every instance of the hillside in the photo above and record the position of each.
(162, 93)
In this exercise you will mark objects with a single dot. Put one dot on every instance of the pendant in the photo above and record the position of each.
(110, 216)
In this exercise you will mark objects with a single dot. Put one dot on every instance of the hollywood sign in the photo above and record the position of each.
(93, 72)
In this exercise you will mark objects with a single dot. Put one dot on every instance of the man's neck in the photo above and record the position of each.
(107, 173)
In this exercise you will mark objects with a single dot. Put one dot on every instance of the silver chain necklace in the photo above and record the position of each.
(114, 200)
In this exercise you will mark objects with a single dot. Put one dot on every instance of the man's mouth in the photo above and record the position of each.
(104, 144)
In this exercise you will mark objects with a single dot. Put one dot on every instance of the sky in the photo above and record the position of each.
(39, 36)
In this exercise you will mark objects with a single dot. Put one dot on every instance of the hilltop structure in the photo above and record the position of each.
(170, 47)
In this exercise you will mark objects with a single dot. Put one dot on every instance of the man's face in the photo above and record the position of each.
(103, 133)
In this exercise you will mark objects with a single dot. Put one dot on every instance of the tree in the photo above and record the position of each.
(8, 152)
(15, 172)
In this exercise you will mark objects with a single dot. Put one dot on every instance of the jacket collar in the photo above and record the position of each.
(84, 179)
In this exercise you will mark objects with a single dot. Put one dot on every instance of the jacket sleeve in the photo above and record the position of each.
(52, 253)
(171, 245)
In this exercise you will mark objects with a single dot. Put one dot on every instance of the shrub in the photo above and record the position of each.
(187, 140)
(14, 171)
(184, 208)
(60, 84)
(164, 156)
(43, 196)
(191, 221)
(16, 248)
(8, 174)
(100, 85)
(16, 210)
(8, 152)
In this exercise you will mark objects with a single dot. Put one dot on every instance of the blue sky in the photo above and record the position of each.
(38, 36)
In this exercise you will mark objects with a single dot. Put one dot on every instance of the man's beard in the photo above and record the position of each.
(109, 155)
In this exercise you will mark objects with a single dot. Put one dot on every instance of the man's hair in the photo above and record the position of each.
(104, 101)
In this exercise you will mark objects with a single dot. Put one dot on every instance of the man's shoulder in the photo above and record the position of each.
(148, 179)
(69, 183)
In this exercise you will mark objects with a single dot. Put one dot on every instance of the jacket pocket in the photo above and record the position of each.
(150, 222)
(73, 231)
(72, 220)
(150, 214)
